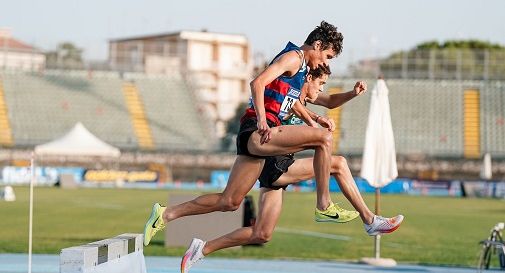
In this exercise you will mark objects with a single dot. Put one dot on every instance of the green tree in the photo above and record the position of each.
(232, 127)
(66, 56)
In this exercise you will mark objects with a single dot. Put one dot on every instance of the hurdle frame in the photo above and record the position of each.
(84, 258)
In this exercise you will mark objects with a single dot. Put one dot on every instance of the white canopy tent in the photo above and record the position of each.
(79, 141)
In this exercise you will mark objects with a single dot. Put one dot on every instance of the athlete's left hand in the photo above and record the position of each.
(326, 122)
(360, 88)
(264, 131)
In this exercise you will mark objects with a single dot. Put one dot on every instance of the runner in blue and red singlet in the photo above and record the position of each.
(282, 92)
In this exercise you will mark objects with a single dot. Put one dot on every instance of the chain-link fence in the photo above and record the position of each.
(454, 64)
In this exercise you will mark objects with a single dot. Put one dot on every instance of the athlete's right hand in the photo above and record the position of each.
(360, 88)
(326, 122)
(264, 131)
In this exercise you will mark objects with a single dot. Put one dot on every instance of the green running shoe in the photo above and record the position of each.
(335, 214)
(154, 224)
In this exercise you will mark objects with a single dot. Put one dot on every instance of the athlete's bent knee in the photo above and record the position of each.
(261, 237)
(229, 204)
(338, 164)
(324, 138)
(327, 138)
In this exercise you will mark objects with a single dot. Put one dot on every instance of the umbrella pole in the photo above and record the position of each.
(377, 260)
(377, 212)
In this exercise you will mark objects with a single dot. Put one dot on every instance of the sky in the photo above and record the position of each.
(370, 28)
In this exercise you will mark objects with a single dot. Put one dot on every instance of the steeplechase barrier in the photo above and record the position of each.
(121, 254)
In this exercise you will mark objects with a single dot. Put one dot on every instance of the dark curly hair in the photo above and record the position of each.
(320, 71)
(328, 35)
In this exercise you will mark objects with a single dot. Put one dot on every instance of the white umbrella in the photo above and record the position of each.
(486, 171)
(379, 156)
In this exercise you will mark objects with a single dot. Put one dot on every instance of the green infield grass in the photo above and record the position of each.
(436, 230)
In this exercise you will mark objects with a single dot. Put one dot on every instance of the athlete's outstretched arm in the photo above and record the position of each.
(337, 100)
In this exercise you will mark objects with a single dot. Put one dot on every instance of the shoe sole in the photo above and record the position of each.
(183, 262)
(387, 231)
(186, 257)
(335, 220)
(150, 222)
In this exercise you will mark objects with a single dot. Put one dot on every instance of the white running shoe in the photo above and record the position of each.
(382, 225)
(192, 255)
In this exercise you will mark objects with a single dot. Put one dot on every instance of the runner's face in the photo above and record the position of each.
(314, 87)
(320, 56)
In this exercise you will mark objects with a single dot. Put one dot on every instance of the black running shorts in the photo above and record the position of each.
(274, 167)
(247, 127)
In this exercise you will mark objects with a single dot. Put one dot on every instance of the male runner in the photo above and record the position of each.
(275, 93)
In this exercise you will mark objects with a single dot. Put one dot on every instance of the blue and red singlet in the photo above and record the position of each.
(282, 93)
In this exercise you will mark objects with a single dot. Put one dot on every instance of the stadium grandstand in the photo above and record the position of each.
(442, 119)
(132, 112)
(442, 124)
(430, 117)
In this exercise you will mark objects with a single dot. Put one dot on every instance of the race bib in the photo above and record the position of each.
(288, 102)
